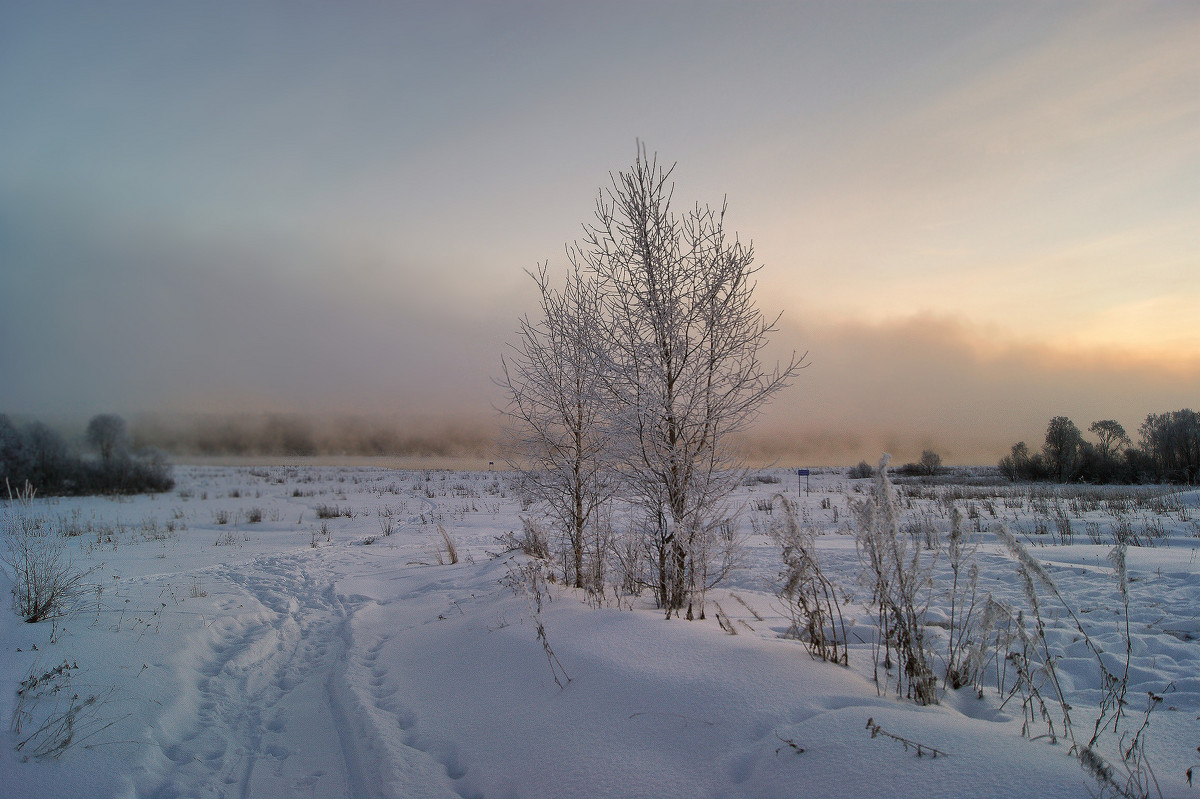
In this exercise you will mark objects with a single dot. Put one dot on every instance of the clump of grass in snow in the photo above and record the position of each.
(900, 593)
(46, 584)
(532, 540)
(1136, 779)
(966, 632)
(810, 597)
(448, 547)
(529, 580)
(49, 717)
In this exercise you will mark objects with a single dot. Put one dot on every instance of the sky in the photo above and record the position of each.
(972, 216)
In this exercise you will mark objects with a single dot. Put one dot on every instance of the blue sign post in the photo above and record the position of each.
(802, 473)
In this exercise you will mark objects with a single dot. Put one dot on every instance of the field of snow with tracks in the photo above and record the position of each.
(300, 631)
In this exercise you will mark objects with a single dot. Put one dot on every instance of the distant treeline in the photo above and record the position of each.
(38, 454)
(1168, 450)
(294, 435)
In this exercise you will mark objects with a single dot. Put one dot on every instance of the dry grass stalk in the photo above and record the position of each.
(448, 546)
(811, 598)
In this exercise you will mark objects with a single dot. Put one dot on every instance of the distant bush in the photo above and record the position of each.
(39, 455)
(862, 471)
(929, 466)
(1021, 464)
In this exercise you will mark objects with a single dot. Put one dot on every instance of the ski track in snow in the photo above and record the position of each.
(274, 682)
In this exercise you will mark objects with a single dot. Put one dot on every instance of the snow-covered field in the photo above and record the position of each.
(232, 643)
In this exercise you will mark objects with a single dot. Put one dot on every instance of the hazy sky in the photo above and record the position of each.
(974, 216)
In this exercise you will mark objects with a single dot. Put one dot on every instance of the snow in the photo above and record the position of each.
(238, 660)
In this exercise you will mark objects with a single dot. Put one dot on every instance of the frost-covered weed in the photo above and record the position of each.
(810, 597)
(532, 540)
(528, 579)
(46, 584)
(50, 714)
(901, 587)
(966, 633)
(1035, 663)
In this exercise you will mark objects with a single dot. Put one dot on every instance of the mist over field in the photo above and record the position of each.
(300, 436)
(973, 217)
(925, 383)
(902, 387)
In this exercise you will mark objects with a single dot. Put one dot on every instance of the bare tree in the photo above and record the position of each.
(106, 432)
(558, 414)
(1062, 447)
(49, 459)
(1172, 442)
(930, 462)
(1112, 437)
(13, 457)
(677, 302)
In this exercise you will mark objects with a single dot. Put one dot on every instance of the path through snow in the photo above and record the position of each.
(269, 703)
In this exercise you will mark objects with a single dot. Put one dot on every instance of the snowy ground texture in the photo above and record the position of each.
(230, 643)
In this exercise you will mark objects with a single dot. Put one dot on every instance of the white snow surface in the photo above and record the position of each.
(236, 659)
